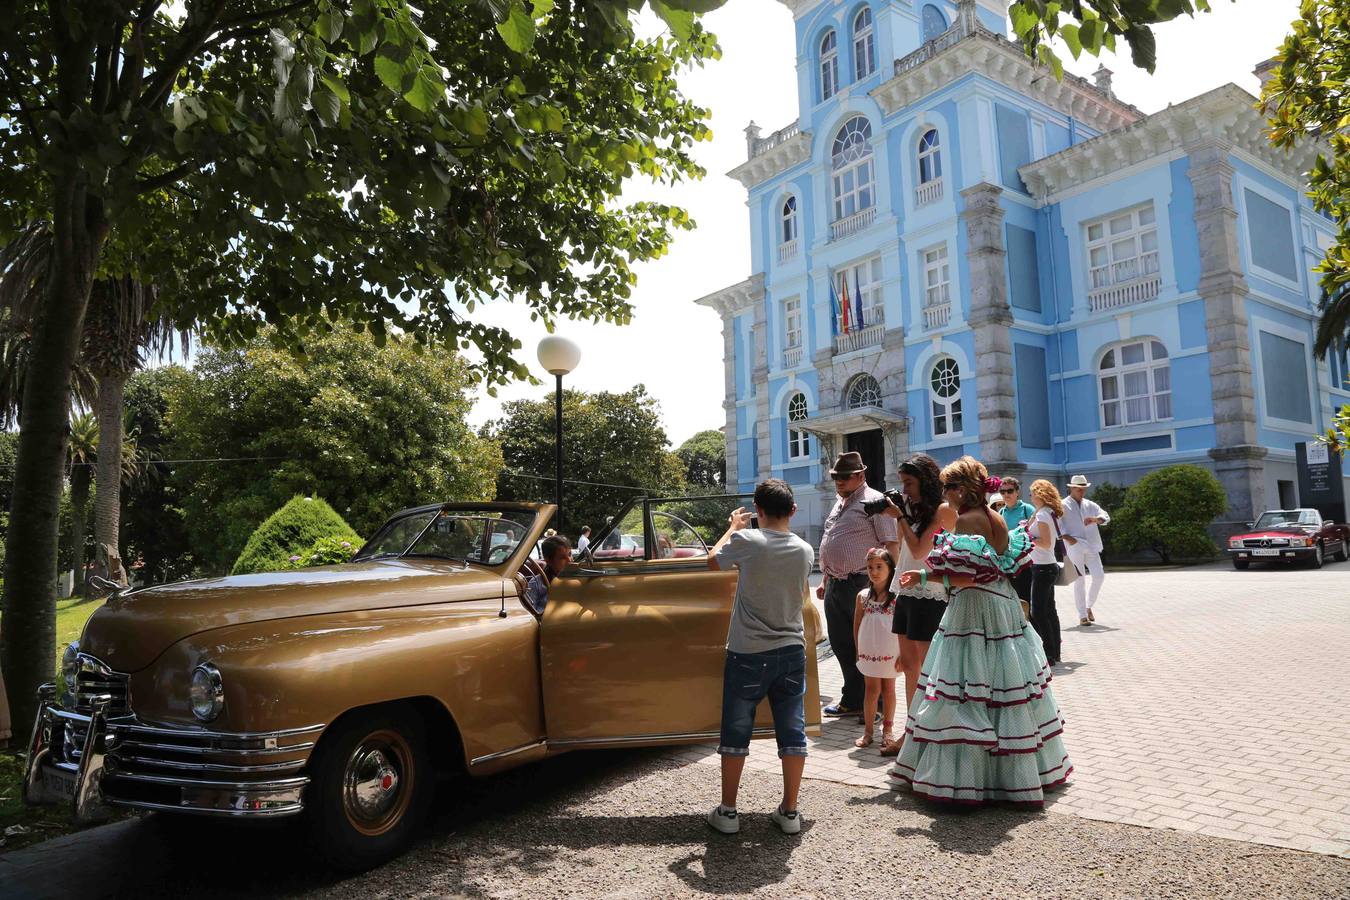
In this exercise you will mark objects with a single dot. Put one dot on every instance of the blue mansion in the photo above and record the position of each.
(1036, 272)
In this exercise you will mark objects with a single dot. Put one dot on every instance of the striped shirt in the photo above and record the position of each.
(849, 533)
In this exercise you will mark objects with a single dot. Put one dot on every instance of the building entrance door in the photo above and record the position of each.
(872, 446)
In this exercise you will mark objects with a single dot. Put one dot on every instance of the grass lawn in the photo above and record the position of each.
(40, 823)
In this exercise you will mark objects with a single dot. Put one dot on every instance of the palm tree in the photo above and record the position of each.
(82, 450)
(1333, 321)
(121, 327)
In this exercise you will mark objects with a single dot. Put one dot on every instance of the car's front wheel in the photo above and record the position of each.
(1240, 564)
(370, 787)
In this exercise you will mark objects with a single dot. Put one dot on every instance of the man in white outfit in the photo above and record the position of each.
(1083, 545)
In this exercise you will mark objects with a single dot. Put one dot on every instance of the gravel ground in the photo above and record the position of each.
(630, 825)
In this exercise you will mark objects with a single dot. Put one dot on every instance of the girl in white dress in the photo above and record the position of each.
(877, 645)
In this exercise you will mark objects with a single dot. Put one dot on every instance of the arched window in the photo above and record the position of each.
(863, 392)
(789, 220)
(934, 22)
(851, 162)
(1136, 383)
(864, 47)
(944, 390)
(829, 66)
(799, 442)
(930, 157)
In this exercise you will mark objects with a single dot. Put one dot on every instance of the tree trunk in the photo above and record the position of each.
(28, 633)
(108, 500)
(79, 516)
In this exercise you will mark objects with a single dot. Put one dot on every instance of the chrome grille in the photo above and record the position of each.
(95, 683)
(1265, 542)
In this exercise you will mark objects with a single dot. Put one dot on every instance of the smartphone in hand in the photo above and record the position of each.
(754, 521)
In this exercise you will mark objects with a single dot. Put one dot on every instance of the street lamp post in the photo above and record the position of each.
(558, 356)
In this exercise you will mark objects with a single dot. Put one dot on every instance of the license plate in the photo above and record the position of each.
(1265, 552)
(58, 783)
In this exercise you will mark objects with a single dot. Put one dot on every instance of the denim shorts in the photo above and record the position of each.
(747, 679)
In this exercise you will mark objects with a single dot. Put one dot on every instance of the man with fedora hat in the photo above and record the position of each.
(1083, 545)
(848, 534)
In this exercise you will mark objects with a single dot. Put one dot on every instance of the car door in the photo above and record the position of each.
(632, 650)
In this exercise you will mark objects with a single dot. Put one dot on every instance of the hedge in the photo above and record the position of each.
(292, 531)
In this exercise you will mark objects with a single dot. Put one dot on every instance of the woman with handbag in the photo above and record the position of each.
(1045, 570)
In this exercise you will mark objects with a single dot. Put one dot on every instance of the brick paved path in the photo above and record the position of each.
(1206, 700)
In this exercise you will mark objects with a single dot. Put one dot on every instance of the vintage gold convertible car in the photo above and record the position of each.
(339, 694)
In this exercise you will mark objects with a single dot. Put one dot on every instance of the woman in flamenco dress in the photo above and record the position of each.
(984, 725)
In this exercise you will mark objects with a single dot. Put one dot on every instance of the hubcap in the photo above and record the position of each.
(378, 782)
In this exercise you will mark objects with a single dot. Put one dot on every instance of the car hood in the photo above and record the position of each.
(130, 632)
(1281, 531)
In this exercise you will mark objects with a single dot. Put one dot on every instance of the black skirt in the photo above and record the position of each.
(917, 618)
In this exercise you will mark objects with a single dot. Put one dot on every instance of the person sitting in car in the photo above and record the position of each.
(557, 551)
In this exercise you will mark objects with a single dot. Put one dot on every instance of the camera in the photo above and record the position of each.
(872, 507)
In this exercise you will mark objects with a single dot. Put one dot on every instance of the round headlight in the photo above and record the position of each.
(70, 665)
(207, 692)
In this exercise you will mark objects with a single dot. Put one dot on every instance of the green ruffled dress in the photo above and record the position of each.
(984, 725)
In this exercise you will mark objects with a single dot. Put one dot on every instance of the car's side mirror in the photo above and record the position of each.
(1249, 524)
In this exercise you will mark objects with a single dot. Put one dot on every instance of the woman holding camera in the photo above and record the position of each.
(918, 609)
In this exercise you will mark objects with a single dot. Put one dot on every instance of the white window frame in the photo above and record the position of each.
(788, 219)
(861, 391)
(852, 170)
(829, 65)
(866, 275)
(945, 408)
(792, 323)
(937, 276)
(931, 154)
(1113, 267)
(798, 442)
(1241, 187)
(1265, 419)
(864, 46)
(1111, 379)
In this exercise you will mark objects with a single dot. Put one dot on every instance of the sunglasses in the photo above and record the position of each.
(1007, 490)
(840, 479)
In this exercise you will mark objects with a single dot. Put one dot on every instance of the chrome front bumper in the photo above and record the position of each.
(94, 762)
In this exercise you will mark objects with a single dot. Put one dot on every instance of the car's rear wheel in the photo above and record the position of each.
(1343, 552)
(370, 787)
(1240, 564)
(1317, 556)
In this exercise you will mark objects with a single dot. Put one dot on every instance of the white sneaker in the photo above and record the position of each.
(724, 820)
(789, 822)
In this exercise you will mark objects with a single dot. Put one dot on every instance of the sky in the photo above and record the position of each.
(673, 346)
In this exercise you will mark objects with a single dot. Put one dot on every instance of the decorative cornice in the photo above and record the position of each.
(779, 158)
(1227, 115)
(736, 298)
(953, 55)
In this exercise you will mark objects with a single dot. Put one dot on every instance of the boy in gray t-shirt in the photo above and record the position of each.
(766, 649)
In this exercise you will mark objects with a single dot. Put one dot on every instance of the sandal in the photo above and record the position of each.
(889, 745)
(864, 741)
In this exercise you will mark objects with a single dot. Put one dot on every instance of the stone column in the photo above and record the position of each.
(729, 398)
(891, 370)
(759, 388)
(990, 318)
(1238, 457)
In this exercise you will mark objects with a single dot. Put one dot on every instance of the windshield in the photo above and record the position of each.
(487, 536)
(1286, 517)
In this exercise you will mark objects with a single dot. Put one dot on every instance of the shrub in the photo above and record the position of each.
(1168, 512)
(327, 551)
(1112, 498)
(293, 530)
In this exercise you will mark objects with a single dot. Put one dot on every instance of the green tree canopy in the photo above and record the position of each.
(373, 429)
(154, 534)
(1090, 26)
(1168, 512)
(289, 532)
(705, 460)
(614, 449)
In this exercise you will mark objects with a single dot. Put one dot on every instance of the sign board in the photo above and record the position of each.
(1320, 485)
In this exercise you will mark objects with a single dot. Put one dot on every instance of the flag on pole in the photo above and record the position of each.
(844, 316)
(834, 311)
(859, 321)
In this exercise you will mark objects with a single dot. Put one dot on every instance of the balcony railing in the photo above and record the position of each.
(849, 225)
(761, 146)
(787, 250)
(937, 316)
(928, 192)
(857, 340)
(1117, 295)
(792, 356)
